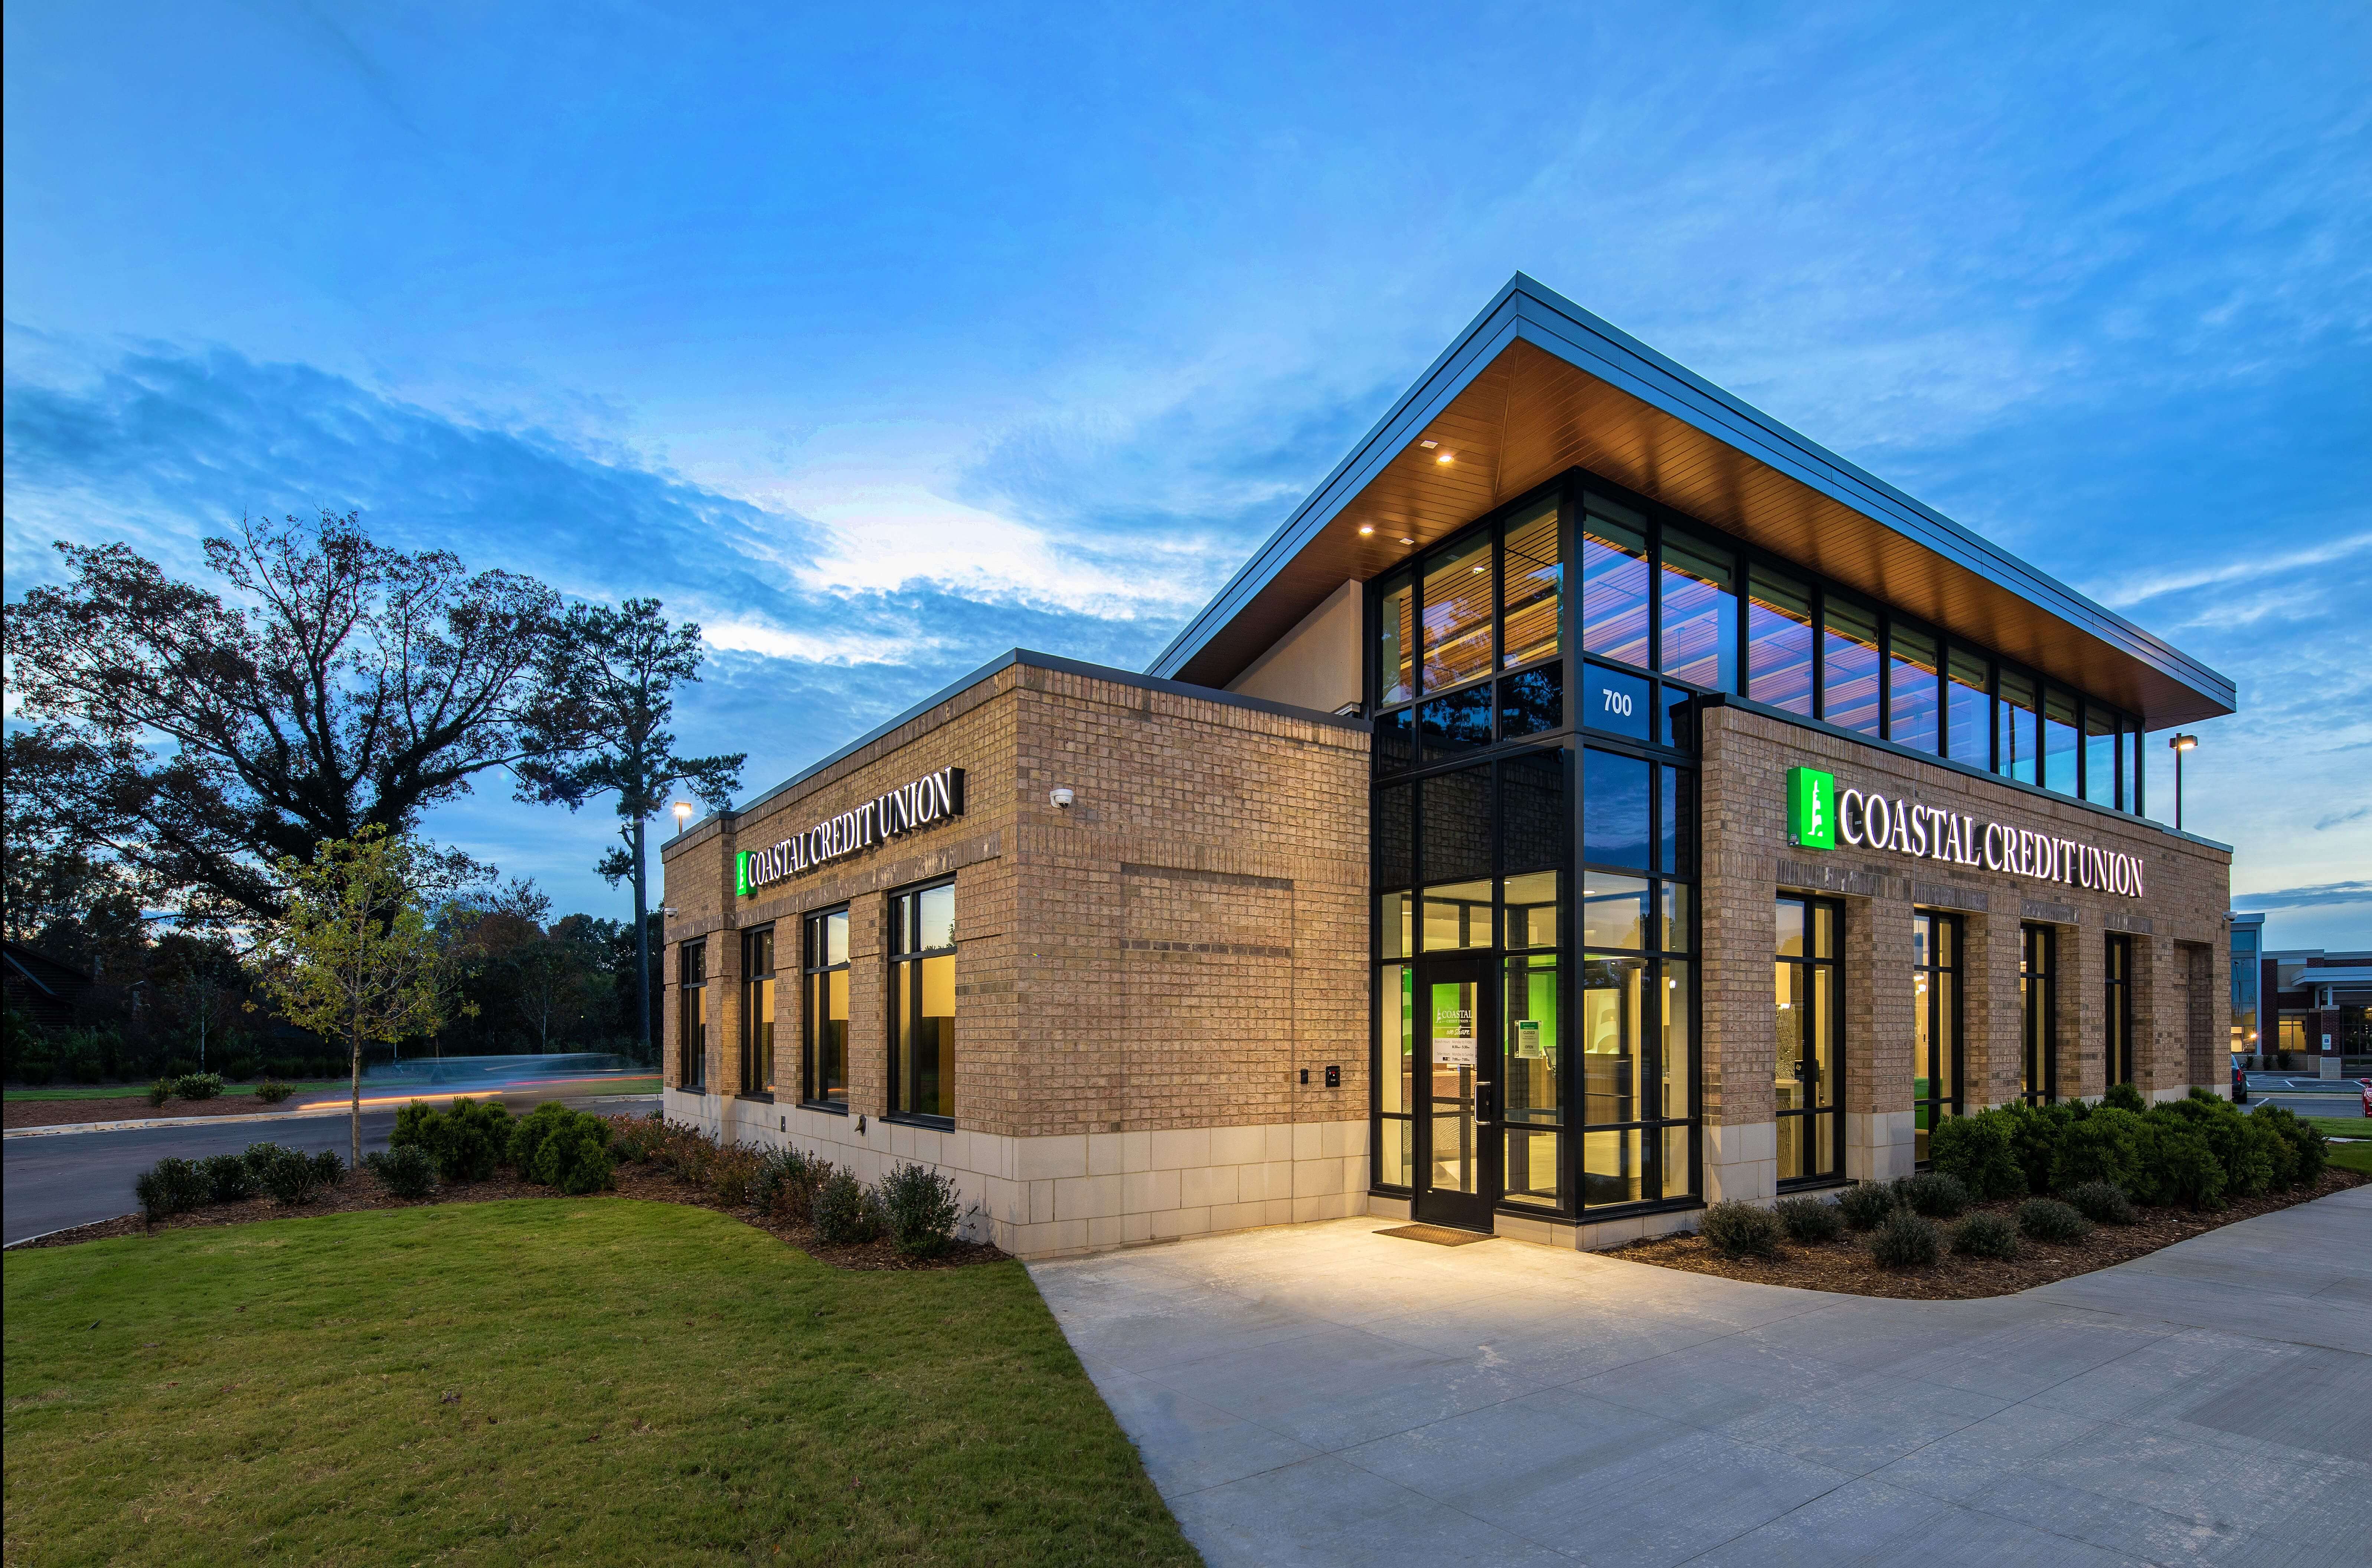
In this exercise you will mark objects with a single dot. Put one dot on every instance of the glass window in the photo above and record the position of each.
(1807, 1072)
(691, 1019)
(2099, 756)
(2059, 742)
(1848, 665)
(1395, 675)
(1454, 724)
(1613, 910)
(1531, 702)
(1615, 702)
(1457, 915)
(1396, 1074)
(1614, 583)
(758, 1012)
(1934, 1024)
(2128, 769)
(1611, 1050)
(1614, 809)
(1458, 603)
(1534, 1101)
(1969, 701)
(1676, 930)
(827, 1010)
(1395, 849)
(1532, 903)
(1779, 641)
(1535, 828)
(1914, 694)
(1700, 614)
(1535, 610)
(2018, 719)
(1395, 925)
(1673, 1098)
(2038, 1013)
(2117, 1051)
(923, 992)
(1456, 840)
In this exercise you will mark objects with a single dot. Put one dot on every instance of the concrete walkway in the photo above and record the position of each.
(1320, 1394)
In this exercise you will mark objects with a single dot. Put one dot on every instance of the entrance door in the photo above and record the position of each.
(1458, 1124)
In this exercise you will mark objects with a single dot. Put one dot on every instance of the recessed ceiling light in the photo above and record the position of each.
(1367, 529)
(1428, 446)
(1408, 542)
(1478, 571)
(1444, 457)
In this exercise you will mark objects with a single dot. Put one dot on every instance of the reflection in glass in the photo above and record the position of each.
(1535, 610)
(1395, 914)
(827, 1008)
(758, 1013)
(1613, 910)
(1614, 583)
(1804, 1072)
(1457, 818)
(1968, 701)
(1395, 677)
(1458, 594)
(1849, 665)
(1458, 915)
(1678, 1046)
(2059, 742)
(2038, 1013)
(1393, 848)
(1668, 818)
(1614, 809)
(2129, 777)
(1612, 1169)
(692, 1023)
(1453, 1019)
(1536, 830)
(1680, 1171)
(1675, 930)
(1458, 722)
(2100, 757)
(1610, 1039)
(1532, 910)
(1395, 740)
(935, 918)
(1779, 641)
(1534, 1096)
(922, 1004)
(1531, 702)
(1395, 1082)
(2019, 740)
(1614, 702)
(1913, 690)
(1700, 614)
(1392, 1152)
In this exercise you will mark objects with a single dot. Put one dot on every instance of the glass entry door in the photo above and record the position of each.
(1457, 1126)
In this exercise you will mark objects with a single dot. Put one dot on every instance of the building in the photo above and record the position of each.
(1594, 801)
(2300, 1009)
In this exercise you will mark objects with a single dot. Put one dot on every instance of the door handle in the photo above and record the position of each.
(1486, 1110)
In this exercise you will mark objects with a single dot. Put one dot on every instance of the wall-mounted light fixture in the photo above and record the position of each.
(2179, 743)
(1060, 798)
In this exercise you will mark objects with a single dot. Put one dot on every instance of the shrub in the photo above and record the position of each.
(272, 1091)
(241, 1069)
(2105, 1147)
(230, 1178)
(2036, 1134)
(2247, 1169)
(1979, 1152)
(1867, 1205)
(160, 1091)
(923, 1208)
(2124, 1096)
(1906, 1241)
(633, 1139)
(528, 1132)
(171, 1186)
(1937, 1194)
(467, 1140)
(845, 1211)
(2178, 1165)
(574, 1156)
(197, 1085)
(730, 1173)
(407, 1172)
(2308, 1152)
(2102, 1202)
(2048, 1219)
(329, 1169)
(1986, 1235)
(785, 1183)
(286, 1175)
(1808, 1220)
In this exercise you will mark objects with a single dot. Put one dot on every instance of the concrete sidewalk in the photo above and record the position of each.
(1320, 1394)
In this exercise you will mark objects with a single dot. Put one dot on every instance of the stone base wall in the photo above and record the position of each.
(1044, 1196)
(1592, 1236)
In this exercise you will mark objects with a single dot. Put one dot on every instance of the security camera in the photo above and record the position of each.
(1060, 798)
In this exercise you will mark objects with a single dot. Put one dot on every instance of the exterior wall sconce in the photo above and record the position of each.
(1061, 799)
(2179, 743)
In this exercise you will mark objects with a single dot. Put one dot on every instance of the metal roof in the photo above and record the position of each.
(1535, 386)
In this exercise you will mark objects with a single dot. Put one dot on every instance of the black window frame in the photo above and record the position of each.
(1834, 1026)
(2117, 996)
(2038, 1026)
(754, 1085)
(904, 968)
(812, 976)
(1942, 977)
(691, 988)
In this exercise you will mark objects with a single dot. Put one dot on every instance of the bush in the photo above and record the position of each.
(2247, 1169)
(576, 1157)
(241, 1069)
(2102, 1202)
(1866, 1205)
(1978, 1152)
(731, 1174)
(1937, 1194)
(633, 1139)
(171, 1186)
(922, 1209)
(467, 1140)
(2048, 1219)
(1986, 1235)
(286, 1175)
(1906, 1241)
(272, 1091)
(2124, 1096)
(845, 1211)
(528, 1132)
(2036, 1134)
(160, 1091)
(2178, 1165)
(785, 1183)
(197, 1085)
(2105, 1147)
(230, 1178)
(407, 1172)
(2308, 1152)
(1808, 1220)
(329, 1168)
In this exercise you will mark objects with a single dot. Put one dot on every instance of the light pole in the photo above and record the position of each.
(2179, 743)
(683, 813)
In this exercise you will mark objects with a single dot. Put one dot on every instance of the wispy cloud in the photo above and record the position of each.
(2315, 896)
(2127, 593)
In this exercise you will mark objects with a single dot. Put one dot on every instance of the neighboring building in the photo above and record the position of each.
(2317, 1006)
(40, 989)
(2248, 992)
(1594, 801)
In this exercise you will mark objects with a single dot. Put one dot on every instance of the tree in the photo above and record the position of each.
(65, 891)
(199, 980)
(615, 671)
(350, 688)
(352, 954)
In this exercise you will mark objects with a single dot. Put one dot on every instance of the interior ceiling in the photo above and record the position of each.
(1528, 416)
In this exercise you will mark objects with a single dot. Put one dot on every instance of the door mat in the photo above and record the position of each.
(1440, 1236)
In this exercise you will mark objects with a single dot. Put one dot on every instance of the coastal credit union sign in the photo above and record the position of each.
(933, 798)
(1819, 814)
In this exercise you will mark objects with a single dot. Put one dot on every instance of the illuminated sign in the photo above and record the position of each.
(1811, 808)
(1930, 832)
(929, 800)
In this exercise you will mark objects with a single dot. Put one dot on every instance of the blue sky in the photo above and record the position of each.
(881, 339)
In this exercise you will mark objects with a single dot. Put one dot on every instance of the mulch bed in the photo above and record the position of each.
(130, 1108)
(1844, 1265)
(361, 1190)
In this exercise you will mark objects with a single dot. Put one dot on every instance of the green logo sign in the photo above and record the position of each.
(741, 874)
(1811, 808)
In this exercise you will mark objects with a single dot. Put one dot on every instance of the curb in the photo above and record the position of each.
(299, 1114)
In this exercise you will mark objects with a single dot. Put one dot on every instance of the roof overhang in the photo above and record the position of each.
(1537, 386)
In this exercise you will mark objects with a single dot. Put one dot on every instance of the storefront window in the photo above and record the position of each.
(1395, 1073)
(1700, 617)
(1614, 583)
(1936, 1024)
(922, 991)
(691, 1018)
(1914, 683)
(1612, 1047)
(1535, 609)
(1807, 1075)
(1849, 667)
(1395, 675)
(2244, 990)
(1458, 595)
(2038, 1013)
(1779, 641)
(1967, 702)
(2019, 718)
(1535, 1094)
(826, 951)
(1614, 819)
(2099, 756)
(2117, 1051)
(2059, 742)
(758, 1012)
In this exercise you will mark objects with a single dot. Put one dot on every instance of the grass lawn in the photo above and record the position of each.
(2357, 1157)
(126, 1091)
(590, 1380)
